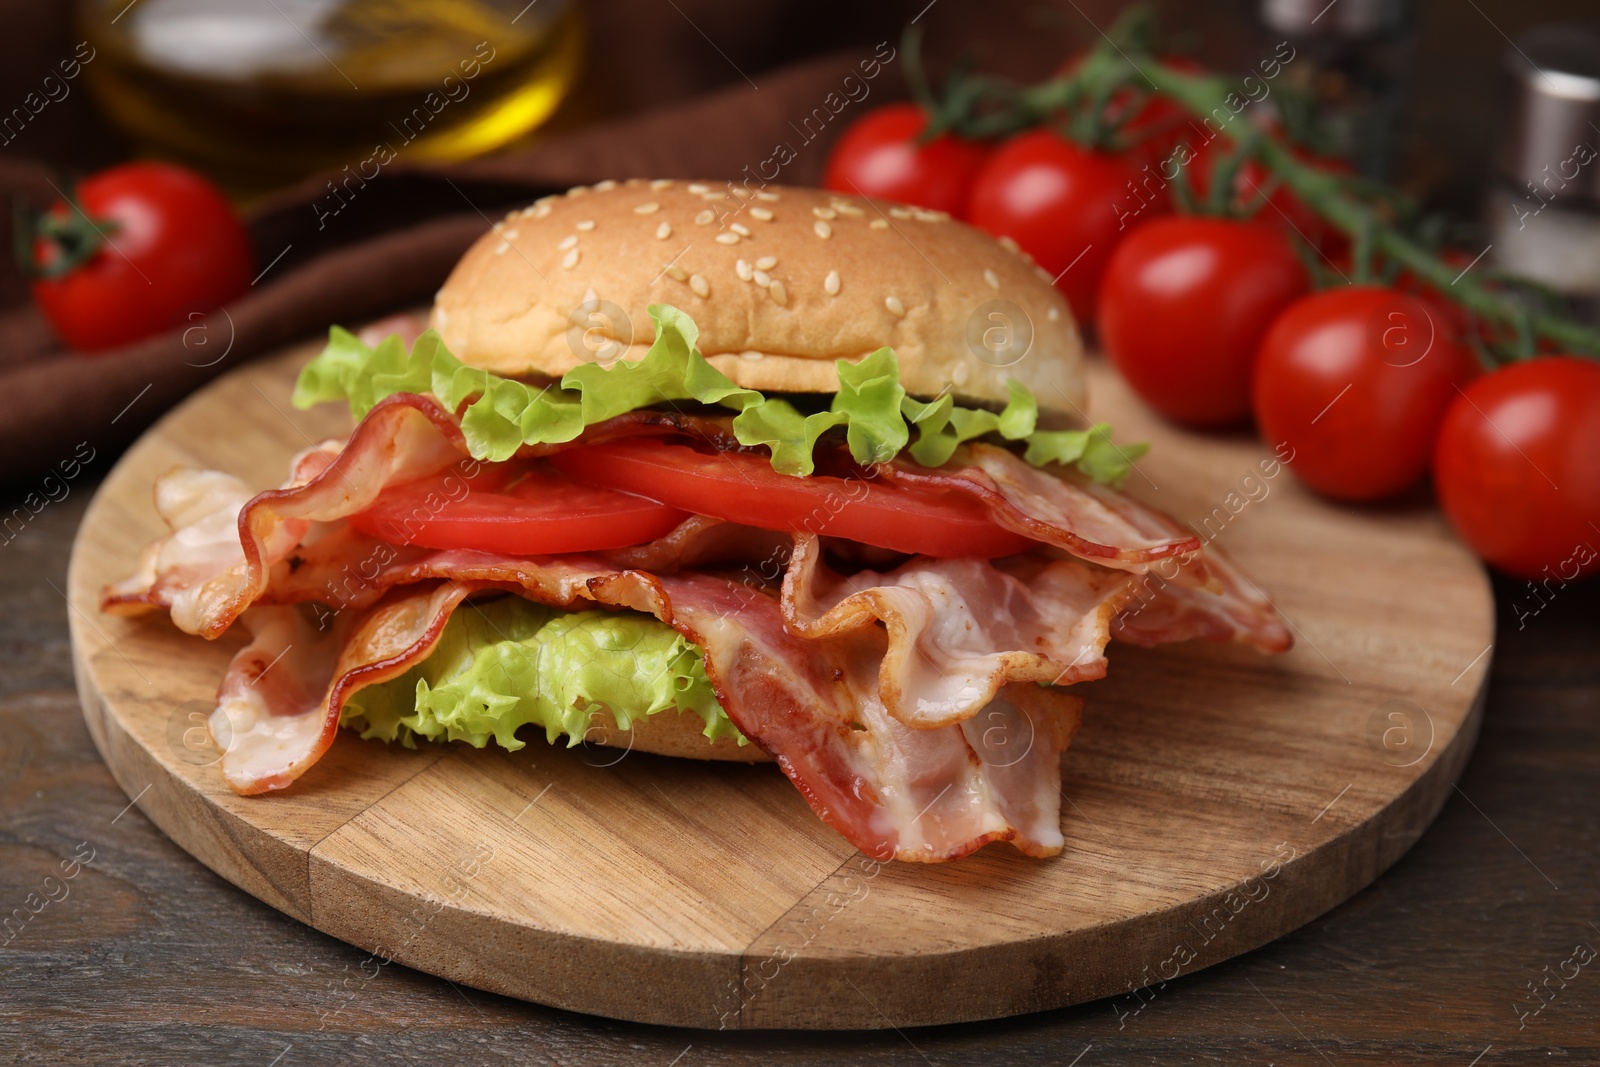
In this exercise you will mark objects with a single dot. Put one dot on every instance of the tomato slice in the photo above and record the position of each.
(742, 487)
(524, 512)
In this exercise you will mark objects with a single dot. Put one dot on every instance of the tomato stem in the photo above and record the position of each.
(69, 241)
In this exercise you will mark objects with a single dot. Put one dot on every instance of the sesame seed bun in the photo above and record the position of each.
(781, 282)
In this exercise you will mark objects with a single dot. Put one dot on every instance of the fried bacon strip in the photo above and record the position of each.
(901, 701)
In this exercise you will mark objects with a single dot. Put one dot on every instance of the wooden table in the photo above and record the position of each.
(146, 956)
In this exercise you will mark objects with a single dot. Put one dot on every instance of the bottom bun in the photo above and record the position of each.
(670, 733)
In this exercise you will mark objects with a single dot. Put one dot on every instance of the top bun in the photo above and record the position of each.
(781, 282)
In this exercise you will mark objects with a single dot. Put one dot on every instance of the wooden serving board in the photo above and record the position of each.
(1214, 799)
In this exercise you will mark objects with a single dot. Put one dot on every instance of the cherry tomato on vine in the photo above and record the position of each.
(1282, 207)
(1065, 205)
(1355, 382)
(1183, 307)
(1150, 123)
(145, 244)
(1516, 467)
(879, 156)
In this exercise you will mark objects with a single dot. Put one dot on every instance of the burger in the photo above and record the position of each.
(710, 472)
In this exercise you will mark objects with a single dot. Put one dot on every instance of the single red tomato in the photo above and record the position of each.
(1184, 305)
(1351, 385)
(742, 487)
(522, 512)
(1065, 205)
(145, 244)
(1518, 467)
(879, 156)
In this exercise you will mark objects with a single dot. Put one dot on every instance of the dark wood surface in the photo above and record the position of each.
(145, 956)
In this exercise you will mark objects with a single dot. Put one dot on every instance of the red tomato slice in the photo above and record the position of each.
(743, 487)
(538, 513)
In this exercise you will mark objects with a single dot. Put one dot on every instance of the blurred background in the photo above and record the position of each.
(633, 56)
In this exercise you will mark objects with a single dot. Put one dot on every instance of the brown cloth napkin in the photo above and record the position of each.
(399, 236)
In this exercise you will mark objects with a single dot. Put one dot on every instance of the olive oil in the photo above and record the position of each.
(260, 92)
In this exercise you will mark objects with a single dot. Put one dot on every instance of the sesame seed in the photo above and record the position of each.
(714, 195)
(739, 228)
(705, 217)
(934, 216)
(761, 213)
(729, 238)
(1009, 244)
(824, 231)
(661, 183)
(664, 231)
(845, 208)
(824, 213)
(583, 224)
(1053, 314)
(767, 262)
(700, 286)
(501, 248)
(697, 187)
(590, 298)
(894, 305)
(1044, 274)
(605, 186)
(992, 278)
(830, 284)
(761, 278)
(741, 267)
(959, 373)
(900, 213)
(578, 190)
(769, 197)
(676, 272)
(570, 260)
(879, 224)
(544, 201)
(540, 210)
(569, 241)
(647, 208)
(752, 355)
(779, 293)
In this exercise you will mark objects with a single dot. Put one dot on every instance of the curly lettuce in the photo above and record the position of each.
(508, 663)
(871, 407)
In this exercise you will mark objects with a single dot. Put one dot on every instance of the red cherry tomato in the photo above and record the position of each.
(879, 156)
(523, 512)
(743, 487)
(1065, 205)
(1184, 305)
(1517, 471)
(1351, 385)
(173, 246)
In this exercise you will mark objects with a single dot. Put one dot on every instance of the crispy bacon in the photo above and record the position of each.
(901, 699)
(960, 629)
(893, 791)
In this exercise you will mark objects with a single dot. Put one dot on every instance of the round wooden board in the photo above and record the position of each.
(1214, 799)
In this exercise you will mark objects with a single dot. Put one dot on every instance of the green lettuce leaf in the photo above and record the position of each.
(506, 663)
(500, 415)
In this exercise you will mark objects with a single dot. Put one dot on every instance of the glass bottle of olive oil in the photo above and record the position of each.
(260, 92)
